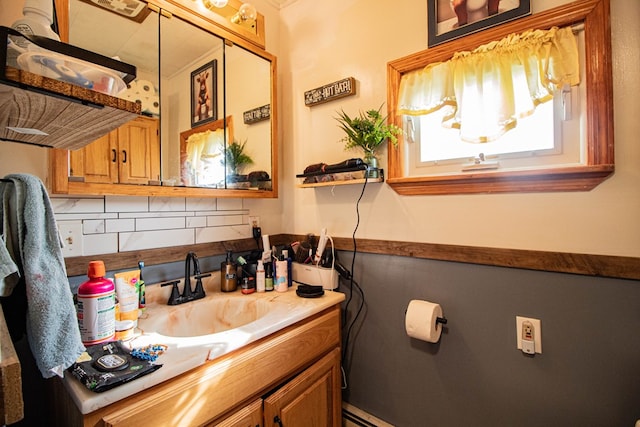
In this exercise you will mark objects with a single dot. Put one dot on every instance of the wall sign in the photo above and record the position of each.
(257, 114)
(326, 93)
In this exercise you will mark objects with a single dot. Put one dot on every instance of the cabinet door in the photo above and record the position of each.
(139, 151)
(96, 162)
(312, 399)
(249, 416)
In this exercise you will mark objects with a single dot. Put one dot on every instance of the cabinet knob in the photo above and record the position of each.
(115, 155)
(124, 156)
(277, 419)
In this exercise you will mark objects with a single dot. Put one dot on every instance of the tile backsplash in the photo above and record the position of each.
(110, 224)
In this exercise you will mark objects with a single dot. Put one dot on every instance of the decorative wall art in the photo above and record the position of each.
(329, 92)
(451, 19)
(257, 114)
(204, 94)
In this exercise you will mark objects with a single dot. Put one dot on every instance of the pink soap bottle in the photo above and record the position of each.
(96, 306)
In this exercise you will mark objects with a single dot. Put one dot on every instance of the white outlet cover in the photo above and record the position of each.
(537, 332)
(71, 237)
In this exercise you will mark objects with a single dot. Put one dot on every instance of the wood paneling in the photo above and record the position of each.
(560, 262)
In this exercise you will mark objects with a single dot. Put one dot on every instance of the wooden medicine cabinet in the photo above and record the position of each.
(173, 44)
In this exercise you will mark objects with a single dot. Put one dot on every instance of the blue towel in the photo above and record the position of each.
(52, 326)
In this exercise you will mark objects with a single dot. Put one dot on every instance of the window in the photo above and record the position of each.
(552, 135)
(589, 163)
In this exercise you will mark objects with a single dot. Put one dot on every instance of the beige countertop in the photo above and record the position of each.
(274, 311)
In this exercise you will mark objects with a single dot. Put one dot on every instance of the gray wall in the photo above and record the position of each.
(587, 375)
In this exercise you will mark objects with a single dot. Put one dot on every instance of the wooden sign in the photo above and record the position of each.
(326, 93)
(257, 114)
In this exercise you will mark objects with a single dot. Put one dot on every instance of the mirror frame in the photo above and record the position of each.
(209, 21)
(599, 165)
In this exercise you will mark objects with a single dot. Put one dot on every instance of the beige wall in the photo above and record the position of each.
(321, 42)
(326, 41)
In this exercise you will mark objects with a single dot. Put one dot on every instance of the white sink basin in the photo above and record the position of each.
(211, 315)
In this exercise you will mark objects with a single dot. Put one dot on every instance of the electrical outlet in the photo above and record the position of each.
(528, 332)
(254, 221)
(71, 236)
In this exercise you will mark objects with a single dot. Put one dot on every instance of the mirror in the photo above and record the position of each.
(171, 53)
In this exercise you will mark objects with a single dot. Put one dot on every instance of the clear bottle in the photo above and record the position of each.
(228, 274)
(260, 277)
(96, 306)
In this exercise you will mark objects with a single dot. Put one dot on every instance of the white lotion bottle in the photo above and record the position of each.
(38, 16)
(260, 277)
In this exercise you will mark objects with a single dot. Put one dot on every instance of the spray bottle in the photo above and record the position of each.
(37, 20)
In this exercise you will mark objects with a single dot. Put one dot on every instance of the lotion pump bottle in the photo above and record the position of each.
(260, 277)
(38, 16)
(228, 274)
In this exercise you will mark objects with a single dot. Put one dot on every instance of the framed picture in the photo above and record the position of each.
(204, 93)
(450, 19)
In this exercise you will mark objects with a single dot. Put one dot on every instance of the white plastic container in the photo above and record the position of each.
(37, 19)
(96, 307)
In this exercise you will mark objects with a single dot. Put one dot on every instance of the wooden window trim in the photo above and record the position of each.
(595, 15)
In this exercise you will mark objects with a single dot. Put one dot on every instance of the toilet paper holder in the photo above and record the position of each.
(424, 320)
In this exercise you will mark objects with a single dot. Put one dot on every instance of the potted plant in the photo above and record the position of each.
(236, 159)
(368, 131)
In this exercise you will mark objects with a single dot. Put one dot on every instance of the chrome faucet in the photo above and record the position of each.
(187, 293)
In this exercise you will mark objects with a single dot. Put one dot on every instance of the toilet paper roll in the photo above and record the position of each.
(420, 320)
(145, 87)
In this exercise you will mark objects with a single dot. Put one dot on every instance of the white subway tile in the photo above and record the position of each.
(96, 244)
(229, 204)
(81, 216)
(166, 204)
(65, 205)
(216, 221)
(198, 221)
(218, 234)
(92, 226)
(202, 204)
(126, 204)
(156, 239)
(120, 225)
(144, 224)
(155, 214)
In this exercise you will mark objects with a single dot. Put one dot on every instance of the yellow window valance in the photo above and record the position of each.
(486, 90)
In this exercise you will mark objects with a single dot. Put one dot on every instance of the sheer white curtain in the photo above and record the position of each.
(486, 90)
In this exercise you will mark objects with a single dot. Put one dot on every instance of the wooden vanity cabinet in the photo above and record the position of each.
(310, 399)
(248, 416)
(127, 155)
(293, 373)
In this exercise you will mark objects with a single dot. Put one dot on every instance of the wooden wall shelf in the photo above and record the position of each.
(344, 182)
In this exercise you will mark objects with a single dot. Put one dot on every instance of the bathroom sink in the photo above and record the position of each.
(203, 317)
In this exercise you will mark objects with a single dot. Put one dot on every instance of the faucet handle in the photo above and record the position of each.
(174, 298)
(199, 290)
